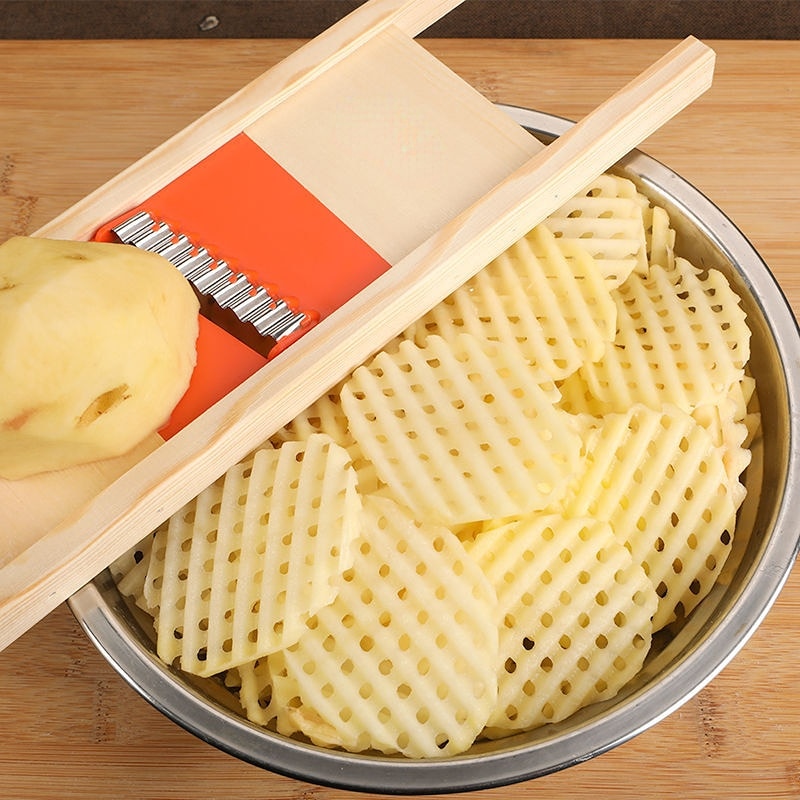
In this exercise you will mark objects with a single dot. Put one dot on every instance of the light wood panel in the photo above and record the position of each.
(76, 113)
(33, 507)
(397, 149)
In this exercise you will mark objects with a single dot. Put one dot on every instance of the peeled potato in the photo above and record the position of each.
(97, 345)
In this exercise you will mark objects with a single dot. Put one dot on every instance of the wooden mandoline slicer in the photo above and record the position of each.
(318, 211)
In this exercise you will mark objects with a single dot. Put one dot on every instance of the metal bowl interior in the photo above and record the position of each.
(766, 545)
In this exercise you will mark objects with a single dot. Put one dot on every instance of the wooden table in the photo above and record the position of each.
(72, 114)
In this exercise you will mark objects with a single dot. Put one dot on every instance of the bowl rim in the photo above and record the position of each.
(640, 710)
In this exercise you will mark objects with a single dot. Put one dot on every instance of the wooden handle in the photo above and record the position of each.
(70, 555)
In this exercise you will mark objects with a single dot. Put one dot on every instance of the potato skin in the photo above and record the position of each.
(97, 346)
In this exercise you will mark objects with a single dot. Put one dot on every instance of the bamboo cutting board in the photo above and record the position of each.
(738, 739)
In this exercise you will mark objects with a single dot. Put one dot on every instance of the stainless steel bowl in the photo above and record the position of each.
(765, 548)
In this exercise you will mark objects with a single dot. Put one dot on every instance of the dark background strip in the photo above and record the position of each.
(182, 19)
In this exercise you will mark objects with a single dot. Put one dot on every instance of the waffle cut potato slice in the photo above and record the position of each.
(575, 617)
(237, 571)
(681, 339)
(659, 480)
(731, 428)
(577, 398)
(325, 415)
(459, 431)
(403, 661)
(659, 235)
(606, 220)
(252, 684)
(544, 296)
(748, 409)
(130, 573)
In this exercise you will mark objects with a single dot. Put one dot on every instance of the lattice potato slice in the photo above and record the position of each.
(138, 554)
(543, 296)
(252, 684)
(606, 220)
(245, 564)
(662, 484)
(326, 416)
(681, 339)
(130, 573)
(404, 659)
(577, 398)
(459, 432)
(660, 236)
(575, 613)
(730, 431)
(736, 419)
(748, 409)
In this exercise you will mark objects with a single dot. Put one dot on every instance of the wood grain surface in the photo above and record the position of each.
(74, 114)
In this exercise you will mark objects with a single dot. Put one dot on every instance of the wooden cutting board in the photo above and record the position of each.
(74, 114)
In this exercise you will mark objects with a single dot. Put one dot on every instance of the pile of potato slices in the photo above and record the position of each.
(479, 531)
